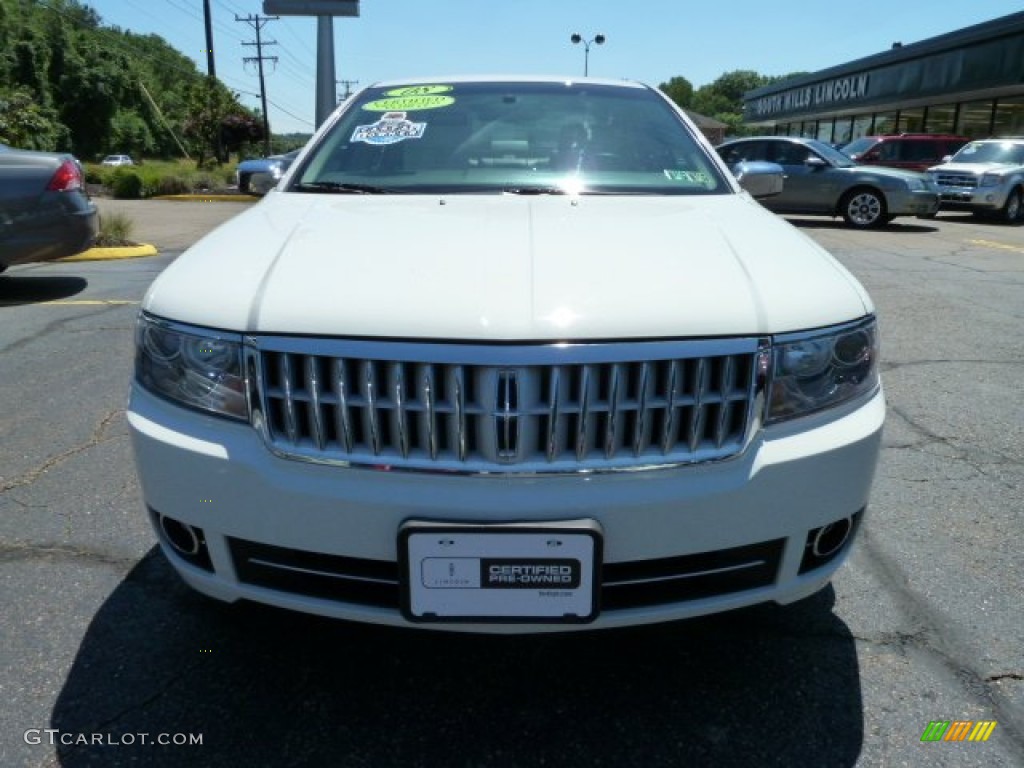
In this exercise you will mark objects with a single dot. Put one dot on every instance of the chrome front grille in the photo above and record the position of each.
(514, 408)
(955, 179)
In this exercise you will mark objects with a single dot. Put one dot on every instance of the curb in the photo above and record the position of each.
(213, 198)
(107, 254)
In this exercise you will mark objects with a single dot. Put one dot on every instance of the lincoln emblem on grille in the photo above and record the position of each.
(506, 414)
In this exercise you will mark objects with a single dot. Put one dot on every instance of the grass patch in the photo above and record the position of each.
(116, 231)
(159, 177)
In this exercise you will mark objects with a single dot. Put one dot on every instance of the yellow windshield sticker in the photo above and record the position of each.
(408, 103)
(419, 90)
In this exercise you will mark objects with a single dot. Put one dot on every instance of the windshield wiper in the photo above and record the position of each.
(533, 190)
(340, 188)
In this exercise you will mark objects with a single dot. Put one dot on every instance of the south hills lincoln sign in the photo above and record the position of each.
(819, 95)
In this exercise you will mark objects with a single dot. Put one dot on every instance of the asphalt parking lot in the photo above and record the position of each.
(105, 652)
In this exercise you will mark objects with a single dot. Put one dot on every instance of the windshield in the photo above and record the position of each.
(522, 138)
(858, 147)
(834, 156)
(1007, 152)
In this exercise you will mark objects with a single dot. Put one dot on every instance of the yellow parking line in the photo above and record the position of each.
(1000, 246)
(89, 302)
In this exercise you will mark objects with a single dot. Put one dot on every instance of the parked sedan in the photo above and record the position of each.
(507, 355)
(265, 171)
(117, 160)
(822, 180)
(44, 211)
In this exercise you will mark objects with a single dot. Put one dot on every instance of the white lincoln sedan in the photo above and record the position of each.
(507, 355)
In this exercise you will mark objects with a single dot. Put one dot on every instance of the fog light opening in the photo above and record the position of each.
(181, 537)
(831, 538)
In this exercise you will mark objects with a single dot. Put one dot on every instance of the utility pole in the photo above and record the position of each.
(211, 67)
(257, 22)
(348, 89)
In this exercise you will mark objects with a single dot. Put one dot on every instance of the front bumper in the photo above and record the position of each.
(912, 203)
(678, 542)
(973, 198)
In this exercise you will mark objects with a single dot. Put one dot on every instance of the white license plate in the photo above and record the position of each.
(536, 572)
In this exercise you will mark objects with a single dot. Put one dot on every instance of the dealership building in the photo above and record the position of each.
(969, 82)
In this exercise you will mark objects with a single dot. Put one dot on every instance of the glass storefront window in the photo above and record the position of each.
(911, 120)
(885, 122)
(844, 126)
(941, 119)
(861, 127)
(1009, 117)
(975, 119)
(824, 131)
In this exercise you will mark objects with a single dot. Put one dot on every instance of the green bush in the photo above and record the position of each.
(173, 185)
(126, 184)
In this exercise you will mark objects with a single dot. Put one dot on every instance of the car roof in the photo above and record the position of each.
(454, 79)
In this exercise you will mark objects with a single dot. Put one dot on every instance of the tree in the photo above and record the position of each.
(215, 114)
(680, 90)
(26, 124)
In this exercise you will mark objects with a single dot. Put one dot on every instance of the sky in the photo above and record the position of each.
(647, 40)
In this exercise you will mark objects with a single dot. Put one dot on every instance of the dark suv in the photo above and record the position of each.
(910, 151)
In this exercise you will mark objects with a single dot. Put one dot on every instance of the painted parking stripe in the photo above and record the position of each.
(1000, 246)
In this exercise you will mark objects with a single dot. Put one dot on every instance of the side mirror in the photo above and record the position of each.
(262, 182)
(815, 162)
(946, 159)
(758, 178)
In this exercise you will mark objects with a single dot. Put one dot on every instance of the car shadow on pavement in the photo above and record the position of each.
(897, 227)
(763, 686)
(16, 290)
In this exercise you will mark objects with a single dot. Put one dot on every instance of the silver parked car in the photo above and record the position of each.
(822, 180)
(986, 178)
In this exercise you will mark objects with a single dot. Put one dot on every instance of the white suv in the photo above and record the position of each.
(985, 177)
(502, 356)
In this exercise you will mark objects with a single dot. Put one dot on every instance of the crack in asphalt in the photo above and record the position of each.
(895, 366)
(960, 454)
(54, 325)
(12, 553)
(951, 651)
(97, 437)
(1004, 676)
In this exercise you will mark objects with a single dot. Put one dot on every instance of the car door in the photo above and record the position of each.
(809, 188)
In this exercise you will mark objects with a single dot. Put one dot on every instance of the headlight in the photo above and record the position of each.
(191, 367)
(822, 369)
(989, 180)
(916, 185)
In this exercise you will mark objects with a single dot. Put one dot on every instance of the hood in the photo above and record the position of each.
(973, 167)
(885, 172)
(505, 267)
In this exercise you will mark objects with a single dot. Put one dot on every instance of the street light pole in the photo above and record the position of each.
(577, 38)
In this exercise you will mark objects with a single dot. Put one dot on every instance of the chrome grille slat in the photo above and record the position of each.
(341, 416)
(612, 419)
(723, 408)
(584, 413)
(428, 398)
(288, 384)
(640, 424)
(529, 409)
(398, 373)
(554, 393)
(370, 395)
(459, 393)
(696, 426)
(316, 420)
